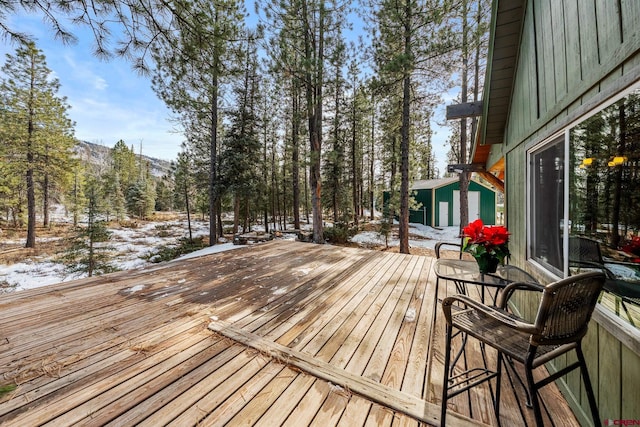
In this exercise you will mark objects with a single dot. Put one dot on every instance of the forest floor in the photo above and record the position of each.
(136, 244)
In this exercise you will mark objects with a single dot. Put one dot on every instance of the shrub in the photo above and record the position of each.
(339, 233)
(169, 252)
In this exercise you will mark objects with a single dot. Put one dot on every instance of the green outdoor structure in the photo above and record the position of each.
(440, 202)
(560, 127)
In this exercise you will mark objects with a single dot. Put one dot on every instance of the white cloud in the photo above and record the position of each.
(99, 83)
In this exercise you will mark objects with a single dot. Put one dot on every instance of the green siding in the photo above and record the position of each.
(430, 198)
(574, 54)
(424, 198)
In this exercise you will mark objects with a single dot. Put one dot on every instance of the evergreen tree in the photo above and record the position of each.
(190, 67)
(241, 152)
(75, 196)
(56, 158)
(184, 183)
(165, 189)
(305, 33)
(11, 180)
(407, 36)
(38, 134)
(87, 253)
(140, 198)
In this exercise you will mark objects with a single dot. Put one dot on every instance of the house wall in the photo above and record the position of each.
(574, 55)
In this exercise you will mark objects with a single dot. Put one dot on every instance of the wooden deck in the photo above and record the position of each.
(280, 333)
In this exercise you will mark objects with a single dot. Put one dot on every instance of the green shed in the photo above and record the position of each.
(440, 202)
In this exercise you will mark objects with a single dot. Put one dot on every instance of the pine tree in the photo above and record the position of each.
(190, 67)
(56, 158)
(87, 252)
(165, 189)
(11, 181)
(240, 155)
(305, 33)
(407, 35)
(38, 133)
(75, 195)
(182, 171)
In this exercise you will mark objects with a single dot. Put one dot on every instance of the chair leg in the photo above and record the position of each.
(533, 391)
(588, 388)
(445, 381)
(498, 386)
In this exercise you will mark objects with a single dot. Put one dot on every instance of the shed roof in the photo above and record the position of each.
(430, 184)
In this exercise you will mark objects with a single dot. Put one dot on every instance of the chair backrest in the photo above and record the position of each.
(566, 308)
(457, 246)
(585, 251)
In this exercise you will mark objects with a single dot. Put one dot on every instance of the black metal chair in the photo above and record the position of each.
(457, 246)
(560, 324)
(438, 248)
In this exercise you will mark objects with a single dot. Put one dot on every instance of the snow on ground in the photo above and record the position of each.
(211, 250)
(131, 245)
(420, 236)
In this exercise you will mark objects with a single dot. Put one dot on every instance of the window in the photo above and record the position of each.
(605, 175)
(584, 202)
(547, 205)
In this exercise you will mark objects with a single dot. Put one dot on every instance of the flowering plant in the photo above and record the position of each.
(487, 244)
(633, 247)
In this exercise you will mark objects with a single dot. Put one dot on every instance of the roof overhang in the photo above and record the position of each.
(506, 29)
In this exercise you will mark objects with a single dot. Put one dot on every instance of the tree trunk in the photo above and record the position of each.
(186, 202)
(213, 178)
(354, 161)
(617, 190)
(265, 204)
(274, 187)
(403, 232)
(31, 192)
(464, 176)
(219, 218)
(314, 58)
(338, 153)
(45, 201)
(372, 158)
(394, 176)
(295, 155)
(236, 213)
(284, 197)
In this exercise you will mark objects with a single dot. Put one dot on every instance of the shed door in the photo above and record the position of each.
(443, 214)
(474, 206)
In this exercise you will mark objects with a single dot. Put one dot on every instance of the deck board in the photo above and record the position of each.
(133, 348)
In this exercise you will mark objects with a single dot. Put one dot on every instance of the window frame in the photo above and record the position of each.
(556, 138)
(565, 133)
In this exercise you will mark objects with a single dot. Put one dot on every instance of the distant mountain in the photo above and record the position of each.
(98, 154)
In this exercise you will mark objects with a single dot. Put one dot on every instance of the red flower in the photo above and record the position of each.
(633, 246)
(474, 231)
(497, 235)
(481, 239)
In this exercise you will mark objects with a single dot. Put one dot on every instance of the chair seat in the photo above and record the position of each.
(494, 333)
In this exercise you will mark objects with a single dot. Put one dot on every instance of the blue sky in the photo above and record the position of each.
(108, 100)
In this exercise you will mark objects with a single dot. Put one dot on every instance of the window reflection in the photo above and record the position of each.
(604, 202)
(547, 205)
